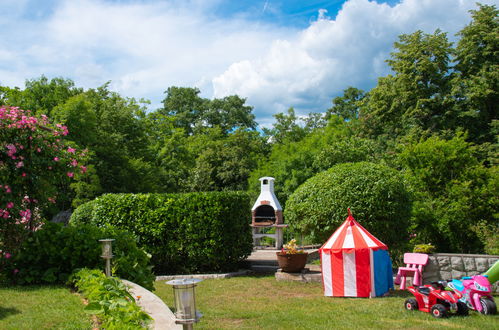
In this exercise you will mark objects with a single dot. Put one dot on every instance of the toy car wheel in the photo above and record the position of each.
(462, 308)
(488, 306)
(411, 304)
(438, 311)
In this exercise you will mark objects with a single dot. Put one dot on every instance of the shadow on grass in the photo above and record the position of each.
(400, 293)
(7, 311)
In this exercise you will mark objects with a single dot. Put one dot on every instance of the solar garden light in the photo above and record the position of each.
(185, 301)
(107, 253)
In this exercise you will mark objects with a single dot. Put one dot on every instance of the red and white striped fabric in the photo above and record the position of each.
(347, 261)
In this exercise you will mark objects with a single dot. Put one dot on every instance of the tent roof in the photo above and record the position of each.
(350, 236)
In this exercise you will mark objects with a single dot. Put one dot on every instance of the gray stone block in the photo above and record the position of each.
(471, 273)
(492, 261)
(482, 264)
(469, 264)
(444, 263)
(431, 266)
(457, 263)
(444, 275)
(456, 274)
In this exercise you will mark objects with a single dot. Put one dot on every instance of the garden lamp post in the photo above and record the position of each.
(107, 253)
(185, 301)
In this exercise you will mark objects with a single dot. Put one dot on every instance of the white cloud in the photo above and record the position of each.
(142, 47)
(318, 63)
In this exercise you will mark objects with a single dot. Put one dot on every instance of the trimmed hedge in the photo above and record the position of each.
(53, 253)
(185, 233)
(375, 193)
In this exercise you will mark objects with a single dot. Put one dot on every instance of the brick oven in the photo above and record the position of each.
(267, 213)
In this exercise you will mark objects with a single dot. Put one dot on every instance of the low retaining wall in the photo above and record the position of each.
(446, 266)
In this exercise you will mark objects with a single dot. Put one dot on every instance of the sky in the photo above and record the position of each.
(275, 53)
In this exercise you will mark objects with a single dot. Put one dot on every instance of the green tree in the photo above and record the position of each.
(348, 105)
(476, 84)
(114, 129)
(193, 113)
(41, 95)
(291, 163)
(286, 128)
(452, 192)
(224, 162)
(416, 97)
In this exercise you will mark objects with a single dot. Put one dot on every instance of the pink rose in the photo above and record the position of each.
(71, 150)
(70, 174)
(7, 255)
(10, 205)
(19, 165)
(56, 159)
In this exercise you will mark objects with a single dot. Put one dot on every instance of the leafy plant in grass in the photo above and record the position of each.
(52, 253)
(193, 232)
(109, 298)
(374, 192)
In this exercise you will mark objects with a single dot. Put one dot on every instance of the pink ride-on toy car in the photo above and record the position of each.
(436, 300)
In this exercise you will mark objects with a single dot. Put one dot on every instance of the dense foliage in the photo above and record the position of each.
(192, 232)
(452, 193)
(375, 194)
(110, 300)
(52, 253)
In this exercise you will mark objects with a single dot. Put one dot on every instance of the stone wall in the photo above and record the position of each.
(446, 266)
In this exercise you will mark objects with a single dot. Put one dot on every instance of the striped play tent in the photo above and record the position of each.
(355, 263)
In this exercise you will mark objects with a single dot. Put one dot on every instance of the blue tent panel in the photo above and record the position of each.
(383, 275)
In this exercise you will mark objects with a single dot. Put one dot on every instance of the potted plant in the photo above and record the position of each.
(291, 258)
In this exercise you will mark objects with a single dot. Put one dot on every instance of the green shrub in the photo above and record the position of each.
(193, 232)
(487, 233)
(375, 193)
(423, 248)
(53, 252)
(83, 213)
(109, 299)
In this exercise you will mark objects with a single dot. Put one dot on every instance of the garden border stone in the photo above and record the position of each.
(163, 318)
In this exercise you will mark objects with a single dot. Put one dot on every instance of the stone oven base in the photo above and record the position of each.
(278, 236)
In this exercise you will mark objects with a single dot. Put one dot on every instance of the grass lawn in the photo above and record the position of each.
(41, 307)
(264, 303)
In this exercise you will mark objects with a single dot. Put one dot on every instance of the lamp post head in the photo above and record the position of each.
(185, 300)
(107, 248)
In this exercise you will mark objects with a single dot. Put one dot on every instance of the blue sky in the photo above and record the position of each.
(277, 54)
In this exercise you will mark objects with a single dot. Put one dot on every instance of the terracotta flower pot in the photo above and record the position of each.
(291, 263)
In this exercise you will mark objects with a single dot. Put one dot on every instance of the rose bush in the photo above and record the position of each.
(36, 167)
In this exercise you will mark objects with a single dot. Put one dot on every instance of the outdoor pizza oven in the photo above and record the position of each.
(266, 211)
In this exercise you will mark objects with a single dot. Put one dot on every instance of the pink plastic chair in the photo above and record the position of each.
(413, 268)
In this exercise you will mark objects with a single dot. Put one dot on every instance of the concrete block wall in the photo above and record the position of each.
(446, 266)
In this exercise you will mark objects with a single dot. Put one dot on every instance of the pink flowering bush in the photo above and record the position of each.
(36, 168)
